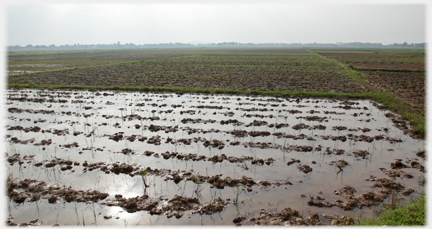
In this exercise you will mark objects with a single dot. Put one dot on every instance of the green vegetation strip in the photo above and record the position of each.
(411, 214)
(351, 73)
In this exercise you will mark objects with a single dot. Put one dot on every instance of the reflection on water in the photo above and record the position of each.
(16, 72)
(91, 119)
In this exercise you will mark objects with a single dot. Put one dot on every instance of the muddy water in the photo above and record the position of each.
(116, 127)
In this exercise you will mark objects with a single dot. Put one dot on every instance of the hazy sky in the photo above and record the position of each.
(278, 22)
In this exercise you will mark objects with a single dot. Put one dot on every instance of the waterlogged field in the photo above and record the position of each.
(115, 158)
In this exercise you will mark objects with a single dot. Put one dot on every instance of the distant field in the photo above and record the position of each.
(378, 59)
(254, 69)
(40, 61)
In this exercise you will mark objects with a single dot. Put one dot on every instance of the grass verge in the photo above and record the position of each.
(417, 122)
(412, 214)
(351, 73)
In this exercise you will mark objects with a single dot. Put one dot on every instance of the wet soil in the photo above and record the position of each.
(33, 190)
(387, 65)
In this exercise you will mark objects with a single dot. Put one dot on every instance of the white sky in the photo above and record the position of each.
(193, 22)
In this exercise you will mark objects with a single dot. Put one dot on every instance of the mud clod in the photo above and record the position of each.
(238, 219)
(361, 153)
(293, 161)
(421, 154)
(300, 126)
(304, 168)
(398, 165)
(286, 217)
(418, 166)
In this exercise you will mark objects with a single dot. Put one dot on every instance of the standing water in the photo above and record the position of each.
(115, 158)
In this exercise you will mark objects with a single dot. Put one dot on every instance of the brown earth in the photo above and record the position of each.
(379, 60)
(406, 86)
(387, 65)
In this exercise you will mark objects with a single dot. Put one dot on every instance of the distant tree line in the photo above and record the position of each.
(117, 45)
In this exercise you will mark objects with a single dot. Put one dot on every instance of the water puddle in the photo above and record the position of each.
(16, 72)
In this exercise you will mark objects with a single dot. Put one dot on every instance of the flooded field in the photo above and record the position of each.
(116, 158)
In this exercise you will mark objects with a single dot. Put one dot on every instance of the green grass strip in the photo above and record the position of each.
(411, 214)
(351, 73)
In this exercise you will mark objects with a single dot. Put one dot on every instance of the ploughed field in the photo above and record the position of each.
(249, 69)
(115, 158)
(405, 59)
